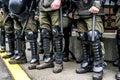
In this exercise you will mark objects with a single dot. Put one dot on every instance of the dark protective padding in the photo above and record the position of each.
(11, 45)
(57, 39)
(11, 41)
(85, 48)
(96, 45)
(20, 42)
(18, 35)
(2, 38)
(45, 33)
(118, 46)
(97, 35)
(83, 36)
(35, 56)
(10, 35)
(3, 31)
(31, 35)
(56, 32)
(18, 6)
(96, 48)
(118, 37)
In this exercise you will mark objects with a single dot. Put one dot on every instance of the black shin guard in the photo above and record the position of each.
(57, 39)
(46, 44)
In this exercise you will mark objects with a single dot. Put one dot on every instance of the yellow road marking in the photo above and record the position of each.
(15, 70)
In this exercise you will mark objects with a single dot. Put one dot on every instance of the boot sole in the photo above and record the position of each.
(21, 62)
(6, 57)
(58, 71)
(83, 71)
(31, 68)
(51, 66)
(34, 67)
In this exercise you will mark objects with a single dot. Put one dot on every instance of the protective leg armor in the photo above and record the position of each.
(98, 62)
(57, 39)
(11, 45)
(85, 65)
(2, 38)
(46, 36)
(32, 38)
(20, 48)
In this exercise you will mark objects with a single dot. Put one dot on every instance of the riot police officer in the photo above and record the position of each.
(2, 30)
(67, 24)
(23, 12)
(9, 29)
(49, 23)
(116, 10)
(84, 9)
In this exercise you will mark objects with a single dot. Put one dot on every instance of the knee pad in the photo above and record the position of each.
(10, 35)
(56, 32)
(97, 35)
(83, 36)
(31, 35)
(45, 33)
(17, 33)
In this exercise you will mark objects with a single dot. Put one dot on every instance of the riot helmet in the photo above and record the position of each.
(17, 6)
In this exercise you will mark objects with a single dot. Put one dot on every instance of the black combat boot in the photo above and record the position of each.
(2, 42)
(66, 55)
(48, 63)
(20, 47)
(57, 43)
(11, 46)
(86, 64)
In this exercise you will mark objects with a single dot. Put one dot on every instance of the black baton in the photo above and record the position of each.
(61, 19)
(93, 26)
